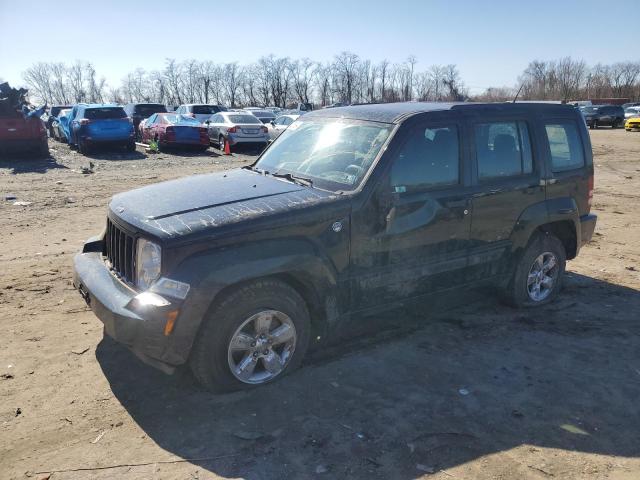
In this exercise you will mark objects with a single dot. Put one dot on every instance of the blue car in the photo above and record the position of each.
(88, 125)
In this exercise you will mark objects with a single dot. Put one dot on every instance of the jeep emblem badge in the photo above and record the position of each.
(336, 227)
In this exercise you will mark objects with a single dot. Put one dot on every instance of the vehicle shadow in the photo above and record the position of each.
(29, 163)
(478, 380)
(111, 153)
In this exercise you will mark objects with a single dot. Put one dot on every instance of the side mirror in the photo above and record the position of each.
(207, 122)
(272, 122)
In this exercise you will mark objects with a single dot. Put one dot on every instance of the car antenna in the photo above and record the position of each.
(518, 94)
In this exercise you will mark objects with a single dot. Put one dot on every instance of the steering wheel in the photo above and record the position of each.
(308, 167)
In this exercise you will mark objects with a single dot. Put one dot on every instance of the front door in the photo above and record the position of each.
(412, 237)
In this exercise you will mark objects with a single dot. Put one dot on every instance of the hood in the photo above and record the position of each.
(193, 204)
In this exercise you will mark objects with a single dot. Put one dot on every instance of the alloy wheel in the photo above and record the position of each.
(261, 348)
(543, 276)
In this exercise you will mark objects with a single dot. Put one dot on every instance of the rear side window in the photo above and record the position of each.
(104, 113)
(565, 146)
(430, 158)
(503, 149)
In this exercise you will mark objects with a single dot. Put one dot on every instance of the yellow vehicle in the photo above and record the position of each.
(632, 123)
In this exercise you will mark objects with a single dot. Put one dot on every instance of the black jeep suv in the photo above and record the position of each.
(349, 211)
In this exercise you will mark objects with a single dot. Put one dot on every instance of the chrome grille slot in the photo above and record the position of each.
(119, 250)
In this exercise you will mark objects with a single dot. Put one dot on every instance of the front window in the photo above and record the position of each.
(335, 153)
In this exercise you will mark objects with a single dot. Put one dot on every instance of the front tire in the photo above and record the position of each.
(221, 142)
(254, 335)
(538, 275)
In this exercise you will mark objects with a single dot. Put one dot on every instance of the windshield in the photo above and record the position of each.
(337, 152)
(205, 109)
(589, 109)
(242, 119)
(104, 113)
(181, 120)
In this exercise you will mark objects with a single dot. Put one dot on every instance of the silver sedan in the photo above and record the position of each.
(280, 124)
(236, 128)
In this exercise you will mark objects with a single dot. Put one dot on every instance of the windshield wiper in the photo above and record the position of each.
(307, 182)
(256, 169)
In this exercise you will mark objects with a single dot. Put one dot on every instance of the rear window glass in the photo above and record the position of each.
(263, 113)
(503, 149)
(205, 109)
(565, 146)
(243, 119)
(181, 119)
(104, 113)
(148, 110)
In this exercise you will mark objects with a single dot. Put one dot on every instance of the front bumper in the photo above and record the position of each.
(632, 125)
(139, 327)
(587, 227)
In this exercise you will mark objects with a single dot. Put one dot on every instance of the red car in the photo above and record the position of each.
(169, 129)
(23, 133)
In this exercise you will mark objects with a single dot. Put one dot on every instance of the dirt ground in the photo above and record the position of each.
(484, 391)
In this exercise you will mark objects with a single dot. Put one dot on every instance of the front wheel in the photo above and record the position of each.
(254, 335)
(221, 142)
(537, 278)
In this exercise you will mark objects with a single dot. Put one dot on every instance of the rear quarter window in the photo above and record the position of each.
(565, 146)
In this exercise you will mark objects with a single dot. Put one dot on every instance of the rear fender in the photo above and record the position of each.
(212, 273)
(538, 214)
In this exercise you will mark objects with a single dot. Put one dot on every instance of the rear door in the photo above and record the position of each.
(506, 181)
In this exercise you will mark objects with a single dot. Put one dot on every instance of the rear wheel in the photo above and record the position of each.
(537, 278)
(221, 142)
(254, 335)
(83, 148)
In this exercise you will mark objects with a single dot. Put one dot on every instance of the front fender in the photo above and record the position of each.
(210, 272)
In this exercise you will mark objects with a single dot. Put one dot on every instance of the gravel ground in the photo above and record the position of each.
(483, 391)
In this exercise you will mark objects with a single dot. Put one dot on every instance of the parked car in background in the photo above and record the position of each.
(56, 130)
(265, 116)
(632, 123)
(630, 104)
(139, 111)
(21, 133)
(603, 115)
(199, 111)
(631, 112)
(54, 111)
(88, 125)
(236, 128)
(173, 129)
(280, 124)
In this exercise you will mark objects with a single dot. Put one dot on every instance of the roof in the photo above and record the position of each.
(396, 112)
(100, 105)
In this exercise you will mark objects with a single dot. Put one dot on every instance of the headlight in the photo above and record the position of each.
(148, 263)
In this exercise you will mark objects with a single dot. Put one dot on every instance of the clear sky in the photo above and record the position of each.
(490, 41)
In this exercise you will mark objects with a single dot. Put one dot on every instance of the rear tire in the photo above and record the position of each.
(543, 250)
(83, 148)
(221, 142)
(212, 355)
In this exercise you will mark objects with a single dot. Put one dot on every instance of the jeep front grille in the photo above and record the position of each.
(120, 250)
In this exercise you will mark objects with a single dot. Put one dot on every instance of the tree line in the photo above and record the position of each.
(348, 78)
